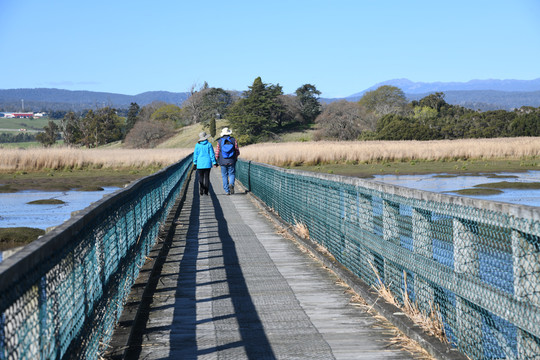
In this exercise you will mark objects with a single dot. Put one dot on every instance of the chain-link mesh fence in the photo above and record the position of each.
(476, 261)
(61, 296)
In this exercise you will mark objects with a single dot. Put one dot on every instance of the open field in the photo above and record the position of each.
(29, 124)
(188, 136)
(20, 145)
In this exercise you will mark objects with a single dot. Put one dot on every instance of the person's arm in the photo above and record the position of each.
(236, 148)
(212, 155)
(195, 154)
(217, 149)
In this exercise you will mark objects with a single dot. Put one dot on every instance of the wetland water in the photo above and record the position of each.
(15, 212)
(438, 184)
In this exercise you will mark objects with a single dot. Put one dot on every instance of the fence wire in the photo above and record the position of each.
(478, 262)
(61, 296)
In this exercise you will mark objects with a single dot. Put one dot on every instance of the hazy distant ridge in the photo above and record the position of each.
(411, 87)
(85, 99)
(474, 94)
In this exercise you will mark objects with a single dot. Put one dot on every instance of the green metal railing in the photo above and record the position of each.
(61, 296)
(477, 261)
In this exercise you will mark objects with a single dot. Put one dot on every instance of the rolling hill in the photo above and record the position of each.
(475, 94)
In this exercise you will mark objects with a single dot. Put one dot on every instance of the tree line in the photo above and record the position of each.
(263, 113)
(18, 137)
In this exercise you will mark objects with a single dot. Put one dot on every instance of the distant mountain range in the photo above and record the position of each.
(411, 87)
(474, 94)
(58, 99)
(482, 95)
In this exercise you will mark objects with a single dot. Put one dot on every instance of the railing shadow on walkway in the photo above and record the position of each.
(183, 334)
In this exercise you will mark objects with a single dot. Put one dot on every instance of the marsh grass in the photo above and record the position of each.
(19, 236)
(43, 159)
(430, 322)
(369, 152)
(479, 191)
(301, 229)
(510, 185)
(47, 202)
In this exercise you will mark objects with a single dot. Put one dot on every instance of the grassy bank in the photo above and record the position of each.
(367, 170)
(14, 237)
(63, 180)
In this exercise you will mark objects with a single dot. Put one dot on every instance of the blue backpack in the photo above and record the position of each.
(227, 147)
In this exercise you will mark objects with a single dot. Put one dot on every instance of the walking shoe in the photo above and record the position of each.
(231, 189)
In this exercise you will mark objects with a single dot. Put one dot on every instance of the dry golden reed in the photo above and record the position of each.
(324, 152)
(76, 158)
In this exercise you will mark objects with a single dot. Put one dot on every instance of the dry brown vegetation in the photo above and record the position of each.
(280, 154)
(430, 322)
(325, 152)
(71, 158)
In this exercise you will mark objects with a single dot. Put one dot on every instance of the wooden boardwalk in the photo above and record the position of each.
(230, 287)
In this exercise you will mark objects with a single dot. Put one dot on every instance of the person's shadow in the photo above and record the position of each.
(183, 331)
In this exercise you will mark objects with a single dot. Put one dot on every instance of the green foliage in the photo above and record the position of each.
(384, 100)
(525, 124)
(259, 112)
(132, 115)
(51, 134)
(397, 127)
(434, 101)
(95, 128)
(70, 128)
(310, 106)
(168, 113)
(212, 127)
(424, 113)
(215, 104)
(19, 137)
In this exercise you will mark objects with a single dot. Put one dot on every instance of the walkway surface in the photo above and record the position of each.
(232, 288)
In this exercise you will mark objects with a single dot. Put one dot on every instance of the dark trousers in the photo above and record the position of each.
(204, 180)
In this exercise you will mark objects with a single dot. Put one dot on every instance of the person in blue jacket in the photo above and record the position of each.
(203, 160)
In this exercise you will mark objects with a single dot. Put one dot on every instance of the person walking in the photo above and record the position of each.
(203, 159)
(227, 152)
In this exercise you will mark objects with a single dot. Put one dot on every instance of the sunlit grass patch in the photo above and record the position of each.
(18, 236)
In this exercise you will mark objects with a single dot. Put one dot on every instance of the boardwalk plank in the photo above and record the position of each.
(231, 288)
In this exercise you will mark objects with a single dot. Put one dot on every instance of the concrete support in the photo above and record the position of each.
(526, 264)
(392, 275)
(364, 221)
(468, 319)
(423, 246)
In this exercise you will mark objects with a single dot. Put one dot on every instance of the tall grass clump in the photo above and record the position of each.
(328, 152)
(34, 159)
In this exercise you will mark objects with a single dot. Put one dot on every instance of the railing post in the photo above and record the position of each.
(422, 245)
(468, 319)
(392, 276)
(364, 214)
(526, 260)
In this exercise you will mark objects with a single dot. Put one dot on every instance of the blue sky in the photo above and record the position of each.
(340, 46)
